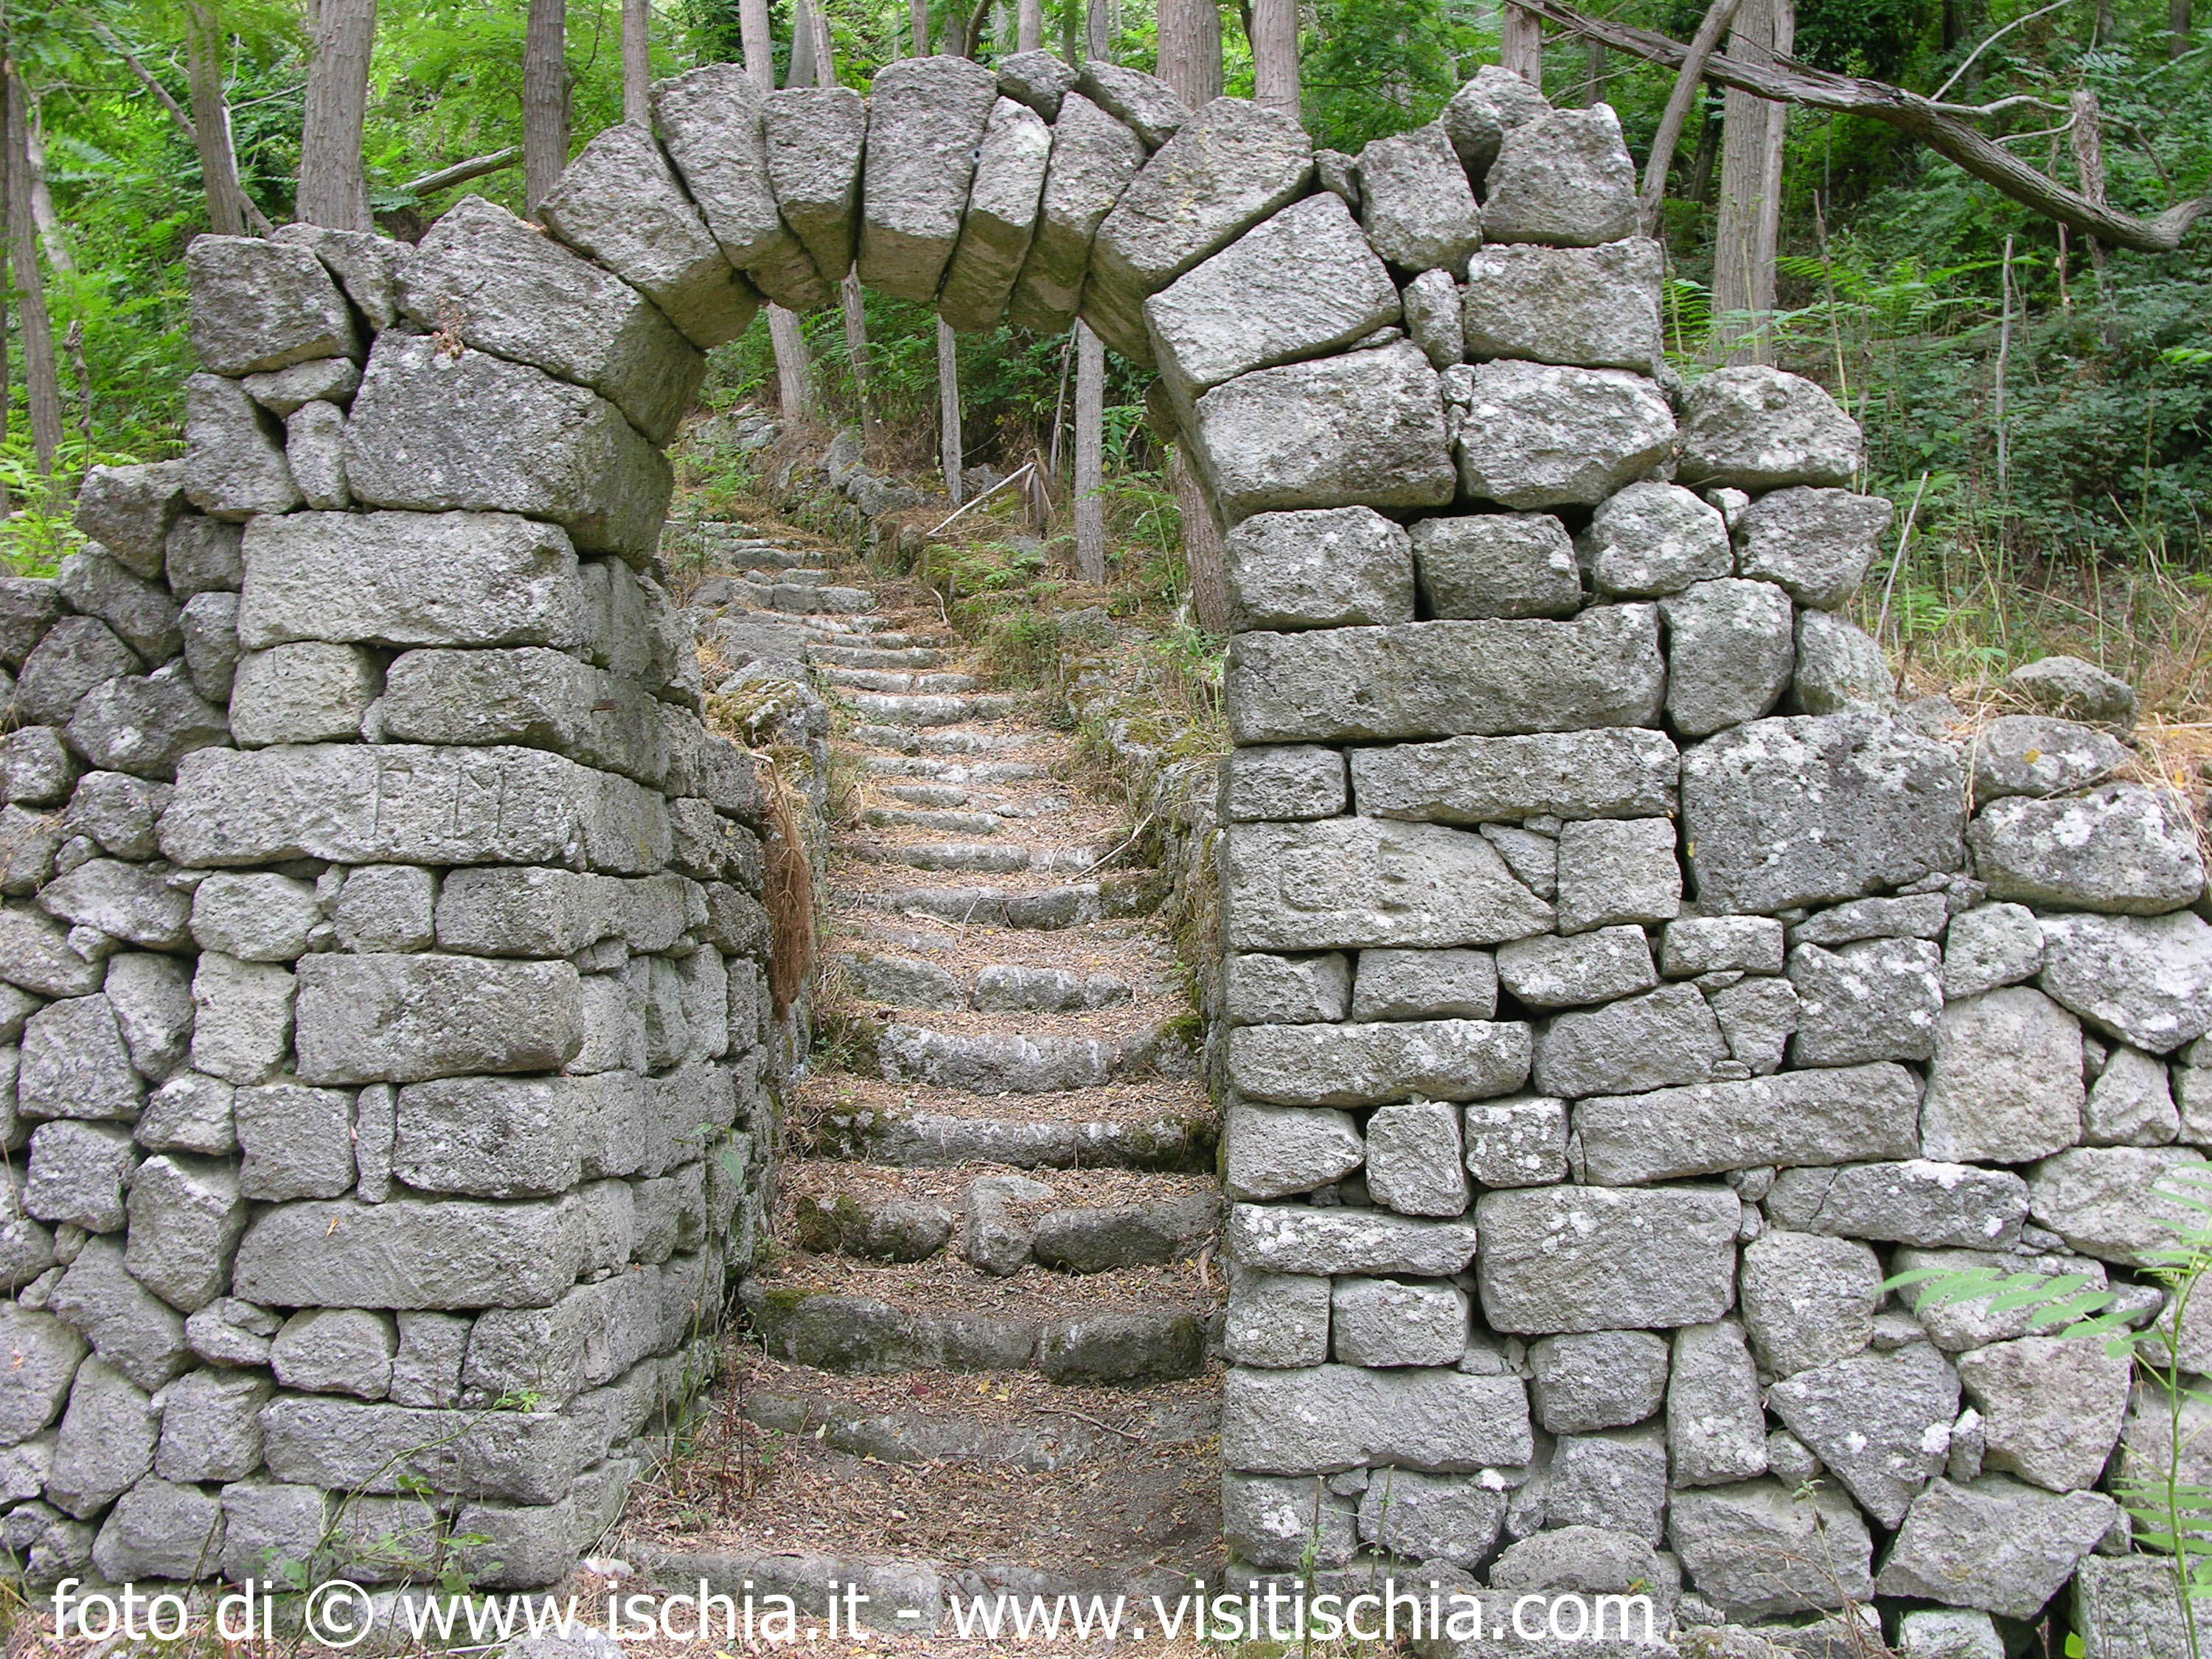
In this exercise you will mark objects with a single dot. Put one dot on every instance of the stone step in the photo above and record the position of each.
(1121, 894)
(796, 577)
(997, 987)
(939, 795)
(953, 772)
(795, 598)
(854, 656)
(873, 631)
(1008, 1063)
(868, 1319)
(985, 859)
(966, 823)
(1162, 1126)
(1083, 1222)
(883, 708)
(879, 679)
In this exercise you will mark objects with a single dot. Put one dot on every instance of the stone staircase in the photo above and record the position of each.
(983, 1352)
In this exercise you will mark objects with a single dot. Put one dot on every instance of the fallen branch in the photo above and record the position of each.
(1081, 1417)
(1015, 477)
(1788, 82)
(461, 172)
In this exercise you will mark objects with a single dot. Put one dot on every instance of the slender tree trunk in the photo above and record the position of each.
(544, 100)
(2087, 139)
(825, 49)
(51, 235)
(759, 45)
(333, 188)
(1594, 75)
(1028, 26)
(1190, 50)
(856, 348)
(41, 374)
(949, 451)
(2178, 27)
(1098, 32)
(1707, 158)
(1089, 454)
(7, 202)
(1745, 232)
(917, 18)
(802, 71)
(1521, 44)
(1202, 551)
(1271, 27)
(637, 61)
(211, 120)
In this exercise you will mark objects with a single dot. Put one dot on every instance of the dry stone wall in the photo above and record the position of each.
(1617, 983)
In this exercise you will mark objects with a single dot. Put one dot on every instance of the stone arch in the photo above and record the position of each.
(1538, 659)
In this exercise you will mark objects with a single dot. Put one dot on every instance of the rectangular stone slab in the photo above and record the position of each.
(1002, 214)
(1367, 1065)
(1298, 1238)
(474, 433)
(927, 116)
(1594, 307)
(815, 135)
(406, 804)
(1329, 1417)
(411, 1253)
(1352, 883)
(1433, 679)
(379, 1018)
(711, 121)
(1559, 1259)
(407, 579)
(357, 1445)
(1840, 1114)
(1615, 772)
(1094, 157)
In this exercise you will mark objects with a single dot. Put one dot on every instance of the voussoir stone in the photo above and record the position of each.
(1037, 79)
(1594, 307)
(1366, 427)
(1815, 543)
(1365, 1065)
(502, 287)
(1593, 1258)
(1328, 1418)
(926, 119)
(713, 121)
(1302, 285)
(1538, 434)
(1433, 679)
(1001, 218)
(1755, 428)
(2123, 847)
(1806, 809)
(1833, 1115)
(1094, 157)
(473, 433)
(815, 137)
(1382, 885)
(1146, 104)
(619, 201)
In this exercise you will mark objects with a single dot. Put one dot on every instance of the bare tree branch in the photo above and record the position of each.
(1992, 40)
(184, 123)
(1718, 16)
(461, 172)
(1791, 83)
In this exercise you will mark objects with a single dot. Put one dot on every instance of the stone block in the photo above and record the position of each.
(261, 305)
(1037, 79)
(75, 655)
(259, 916)
(711, 121)
(1327, 568)
(1366, 1065)
(297, 1141)
(1424, 985)
(408, 579)
(2006, 1084)
(303, 693)
(2145, 981)
(1446, 678)
(1807, 1300)
(1596, 1379)
(235, 465)
(2124, 848)
(210, 1427)
(1551, 972)
(1918, 1201)
(128, 510)
(45, 1354)
(1616, 1481)
(1415, 203)
(410, 1254)
(2075, 690)
(2132, 1101)
(1802, 810)
(1414, 886)
(1149, 106)
(2050, 1409)
(532, 696)
(1756, 1550)
(1662, 1039)
(1817, 1117)
(474, 433)
(143, 616)
(496, 1137)
(1273, 1522)
(209, 625)
(1001, 218)
(1497, 564)
(284, 391)
(1596, 307)
(1278, 1321)
(336, 1351)
(1760, 428)
(1539, 435)
(1302, 1239)
(1330, 1417)
(1730, 653)
(77, 1173)
(1839, 669)
(1994, 1544)
(1274, 1151)
(1364, 429)
(200, 556)
(1616, 871)
(1414, 1155)
(2035, 755)
(1652, 539)
(928, 119)
(814, 138)
(184, 1217)
(1430, 1517)
(2124, 1607)
(386, 908)
(314, 450)
(1876, 999)
(1716, 1422)
(1431, 302)
(1607, 773)
(75, 1063)
(1480, 113)
(1281, 781)
(1094, 157)
(1520, 1141)
(1557, 1259)
(620, 202)
(2117, 1204)
(1564, 179)
(1388, 1322)
(36, 767)
(407, 1018)
(1815, 544)
(145, 726)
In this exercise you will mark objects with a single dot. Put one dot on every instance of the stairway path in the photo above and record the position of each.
(982, 1347)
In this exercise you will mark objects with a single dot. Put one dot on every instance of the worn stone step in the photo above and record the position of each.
(938, 795)
(887, 680)
(965, 824)
(996, 987)
(854, 656)
(985, 859)
(999, 1063)
(1129, 893)
(906, 740)
(1158, 1126)
(797, 576)
(888, 708)
(875, 1323)
(953, 772)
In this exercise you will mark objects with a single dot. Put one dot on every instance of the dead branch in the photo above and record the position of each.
(461, 172)
(1789, 81)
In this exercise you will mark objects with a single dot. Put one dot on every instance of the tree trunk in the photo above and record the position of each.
(51, 235)
(1203, 554)
(1745, 232)
(1028, 26)
(2087, 139)
(1089, 454)
(333, 188)
(1521, 44)
(7, 200)
(637, 62)
(41, 374)
(1274, 38)
(1593, 92)
(1098, 32)
(544, 100)
(948, 452)
(211, 120)
(856, 348)
(2178, 27)
(1190, 50)
(759, 44)
(802, 71)
(917, 17)
(825, 49)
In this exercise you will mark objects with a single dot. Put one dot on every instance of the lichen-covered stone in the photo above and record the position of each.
(1094, 157)
(2123, 847)
(712, 122)
(1755, 428)
(1560, 1259)
(1415, 203)
(1364, 1065)
(1588, 307)
(815, 137)
(261, 305)
(1826, 1116)
(1412, 885)
(1563, 178)
(1538, 436)
(1497, 564)
(1332, 567)
(1001, 220)
(1815, 544)
(926, 118)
